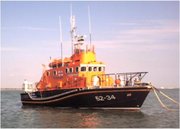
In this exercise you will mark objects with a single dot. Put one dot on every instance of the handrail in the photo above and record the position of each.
(132, 74)
(129, 78)
(127, 73)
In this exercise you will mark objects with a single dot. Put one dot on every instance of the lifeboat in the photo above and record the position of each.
(80, 81)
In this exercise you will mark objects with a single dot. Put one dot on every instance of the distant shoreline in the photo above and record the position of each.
(11, 89)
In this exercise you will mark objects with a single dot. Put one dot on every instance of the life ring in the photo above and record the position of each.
(117, 82)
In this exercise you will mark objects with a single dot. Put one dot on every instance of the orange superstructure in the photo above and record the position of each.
(81, 70)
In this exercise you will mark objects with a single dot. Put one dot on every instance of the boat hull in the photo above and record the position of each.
(121, 98)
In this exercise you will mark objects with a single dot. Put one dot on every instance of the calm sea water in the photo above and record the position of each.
(13, 115)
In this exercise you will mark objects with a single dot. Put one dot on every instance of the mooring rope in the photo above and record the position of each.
(167, 96)
(162, 104)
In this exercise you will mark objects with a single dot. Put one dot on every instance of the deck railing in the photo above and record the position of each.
(121, 79)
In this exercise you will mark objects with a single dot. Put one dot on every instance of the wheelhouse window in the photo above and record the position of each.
(54, 73)
(95, 69)
(54, 66)
(59, 65)
(71, 70)
(100, 69)
(77, 69)
(48, 73)
(83, 69)
(103, 68)
(66, 64)
(89, 68)
(67, 70)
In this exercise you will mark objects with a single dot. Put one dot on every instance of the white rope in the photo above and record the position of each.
(167, 96)
(164, 106)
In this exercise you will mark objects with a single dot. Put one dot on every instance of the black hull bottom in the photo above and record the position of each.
(109, 98)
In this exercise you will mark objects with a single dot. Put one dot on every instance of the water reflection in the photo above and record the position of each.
(81, 118)
(108, 118)
(89, 120)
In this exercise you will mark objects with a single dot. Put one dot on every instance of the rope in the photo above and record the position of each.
(162, 104)
(167, 96)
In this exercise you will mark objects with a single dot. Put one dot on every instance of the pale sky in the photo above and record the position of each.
(128, 37)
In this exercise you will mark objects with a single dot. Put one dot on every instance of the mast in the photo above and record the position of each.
(89, 18)
(72, 22)
(60, 27)
(77, 40)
